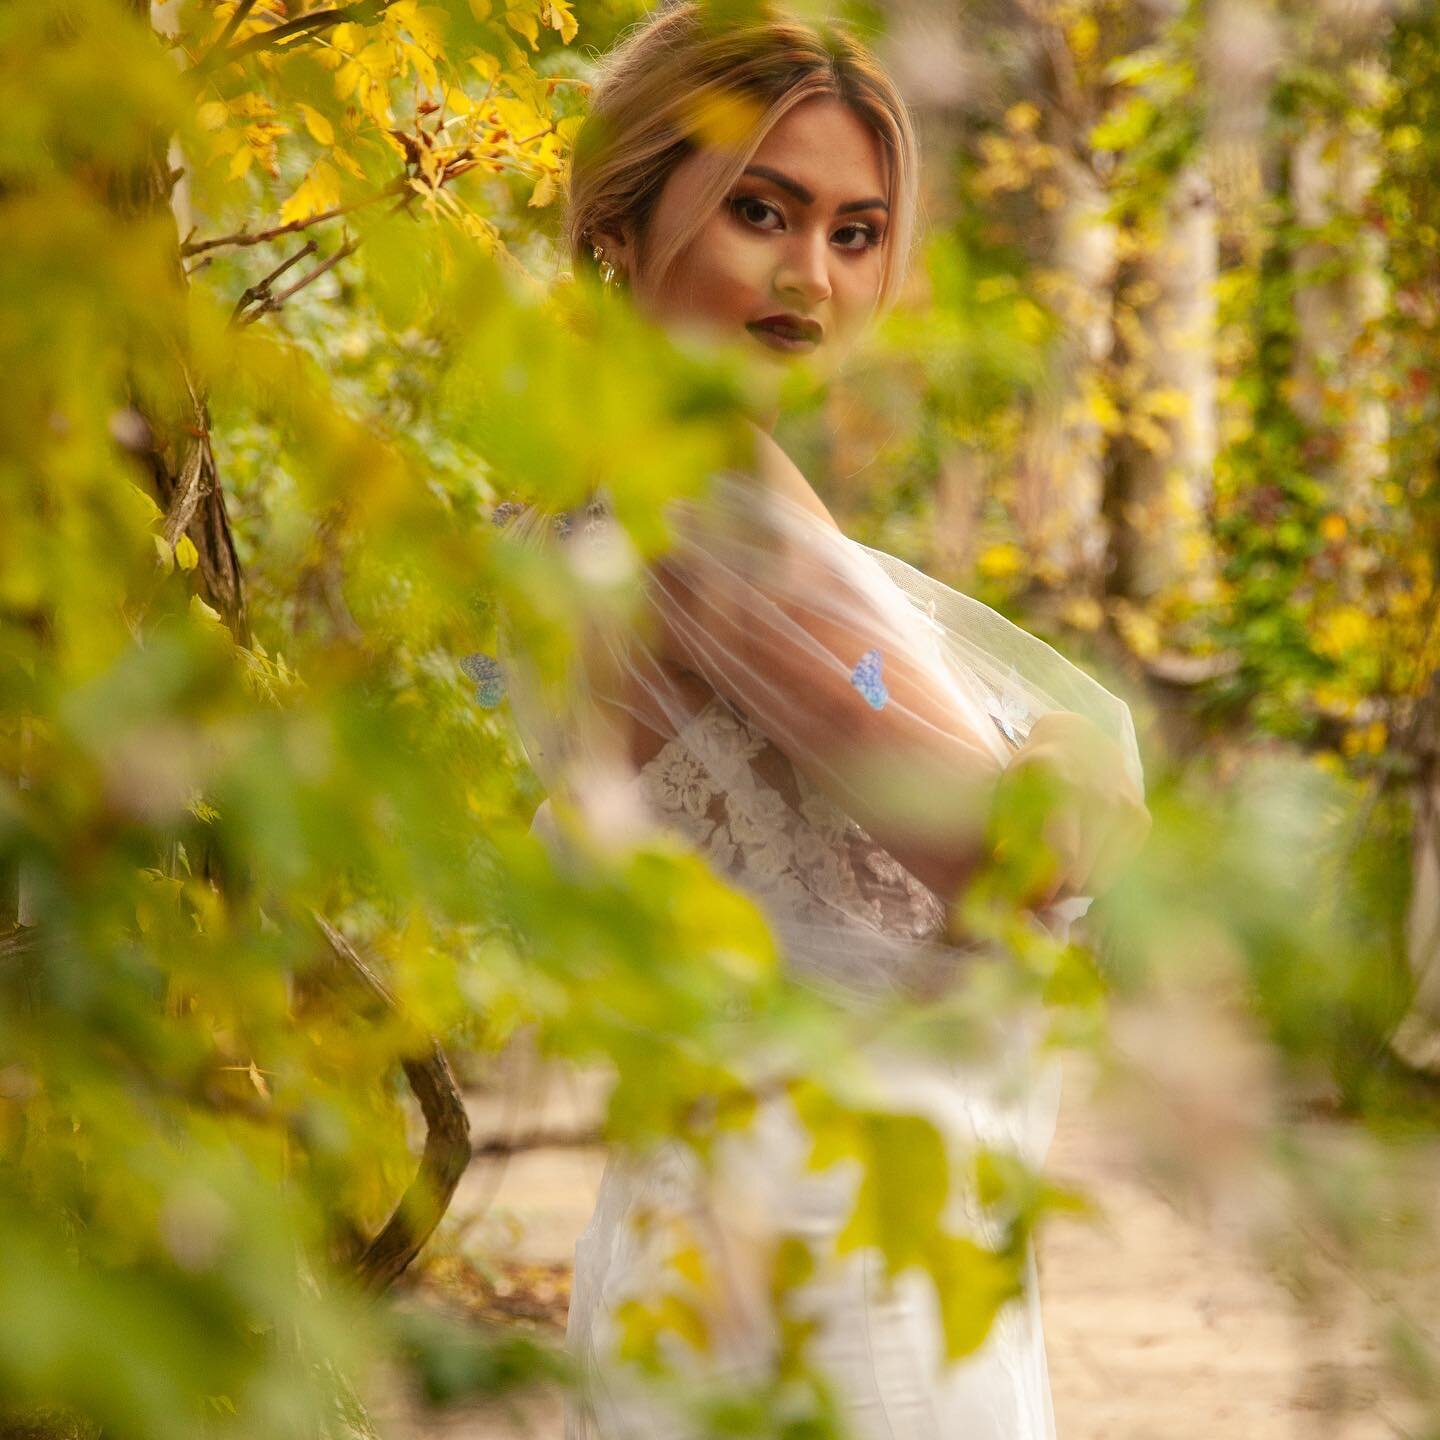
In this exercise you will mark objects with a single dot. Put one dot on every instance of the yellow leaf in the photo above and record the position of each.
(318, 126)
(722, 120)
(1083, 35)
(186, 555)
(1345, 628)
(144, 503)
(1030, 320)
(902, 1189)
(689, 1263)
(204, 612)
(686, 1321)
(1083, 612)
(240, 163)
(1167, 401)
(1022, 117)
(794, 1265)
(558, 16)
(317, 192)
(518, 116)
(347, 77)
(1102, 410)
(544, 191)
(375, 101)
(523, 23)
(481, 231)
(480, 9)
(212, 115)
(1139, 630)
(427, 28)
(488, 65)
(164, 554)
(999, 562)
(423, 66)
(994, 287)
(457, 101)
(347, 162)
(971, 1284)
(1145, 432)
(226, 142)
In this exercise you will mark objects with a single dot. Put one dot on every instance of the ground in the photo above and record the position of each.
(1158, 1323)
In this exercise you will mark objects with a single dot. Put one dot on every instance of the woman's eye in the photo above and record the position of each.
(755, 211)
(763, 215)
(856, 237)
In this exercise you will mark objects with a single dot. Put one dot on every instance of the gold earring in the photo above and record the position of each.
(607, 270)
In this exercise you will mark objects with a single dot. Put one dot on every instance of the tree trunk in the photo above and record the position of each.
(1417, 1040)
(1336, 373)
(1059, 486)
(1159, 465)
(171, 436)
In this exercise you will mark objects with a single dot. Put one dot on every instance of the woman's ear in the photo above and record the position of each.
(615, 247)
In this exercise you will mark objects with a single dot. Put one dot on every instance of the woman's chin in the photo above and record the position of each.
(775, 377)
(797, 369)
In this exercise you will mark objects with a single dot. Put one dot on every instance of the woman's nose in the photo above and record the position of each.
(805, 270)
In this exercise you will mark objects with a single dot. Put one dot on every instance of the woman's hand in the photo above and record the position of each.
(1066, 818)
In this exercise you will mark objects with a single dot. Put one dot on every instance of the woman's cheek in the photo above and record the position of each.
(726, 279)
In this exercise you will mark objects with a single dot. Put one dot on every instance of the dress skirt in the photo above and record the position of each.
(879, 1344)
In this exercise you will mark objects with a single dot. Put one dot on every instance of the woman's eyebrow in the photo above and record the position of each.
(806, 196)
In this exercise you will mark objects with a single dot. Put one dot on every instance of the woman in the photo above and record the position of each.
(826, 725)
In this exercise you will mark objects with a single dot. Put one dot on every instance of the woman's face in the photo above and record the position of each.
(790, 261)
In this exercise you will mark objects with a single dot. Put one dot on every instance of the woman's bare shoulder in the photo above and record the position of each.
(775, 470)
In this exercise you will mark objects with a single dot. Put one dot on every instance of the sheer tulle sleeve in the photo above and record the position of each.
(802, 632)
(819, 719)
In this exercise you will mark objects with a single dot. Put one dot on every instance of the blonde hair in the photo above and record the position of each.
(689, 81)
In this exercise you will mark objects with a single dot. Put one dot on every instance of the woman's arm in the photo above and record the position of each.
(771, 606)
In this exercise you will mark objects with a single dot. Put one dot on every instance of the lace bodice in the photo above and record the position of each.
(775, 832)
(737, 800)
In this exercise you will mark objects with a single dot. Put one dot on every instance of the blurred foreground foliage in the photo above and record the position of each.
(279, 330)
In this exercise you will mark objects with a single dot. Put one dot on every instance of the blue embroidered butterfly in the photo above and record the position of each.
(489, 678)
(865, 677)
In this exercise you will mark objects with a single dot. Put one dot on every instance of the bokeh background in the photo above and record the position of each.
(283, 318)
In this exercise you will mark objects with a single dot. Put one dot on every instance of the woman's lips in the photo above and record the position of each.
(786, 332)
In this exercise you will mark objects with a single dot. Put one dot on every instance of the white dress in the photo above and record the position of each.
(880, 1345)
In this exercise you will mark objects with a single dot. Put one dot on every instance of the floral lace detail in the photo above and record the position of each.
(737, 799)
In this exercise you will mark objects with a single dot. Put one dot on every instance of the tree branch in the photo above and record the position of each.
(503, 1146)
(274, 302)
(397, 186)
(210, 57)
(447, 1140)
(260, 290)
(363, 12)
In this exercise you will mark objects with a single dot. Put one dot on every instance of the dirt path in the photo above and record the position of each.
(1157, 1325)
